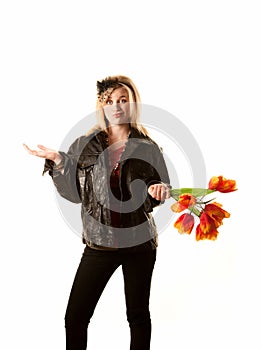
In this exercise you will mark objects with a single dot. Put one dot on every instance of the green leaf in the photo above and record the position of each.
(197, 192)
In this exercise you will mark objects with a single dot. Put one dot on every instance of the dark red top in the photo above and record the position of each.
(114, 158)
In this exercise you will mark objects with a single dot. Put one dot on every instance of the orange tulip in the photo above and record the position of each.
(219, 183)
(207, 224)
(214, 211)
(210, 235)
(185, 201)
(185, 223)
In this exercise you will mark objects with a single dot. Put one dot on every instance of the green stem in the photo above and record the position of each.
(195, 211)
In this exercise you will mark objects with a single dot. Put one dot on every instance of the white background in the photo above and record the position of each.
(201, 61)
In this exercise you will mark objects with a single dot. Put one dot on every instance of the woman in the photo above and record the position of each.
(118, 174)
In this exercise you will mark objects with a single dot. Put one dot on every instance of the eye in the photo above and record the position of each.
(123, 100)
(109, 102)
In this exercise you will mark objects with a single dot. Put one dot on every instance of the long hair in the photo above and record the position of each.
(104, 90)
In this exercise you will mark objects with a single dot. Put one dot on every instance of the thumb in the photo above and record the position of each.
(42, 147)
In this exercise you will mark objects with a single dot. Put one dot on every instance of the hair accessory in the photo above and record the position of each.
(106, 87)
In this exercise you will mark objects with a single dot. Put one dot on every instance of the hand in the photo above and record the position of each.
(44, 152)
(159, 191)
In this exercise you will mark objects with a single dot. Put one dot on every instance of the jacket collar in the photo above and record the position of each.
(135, 139)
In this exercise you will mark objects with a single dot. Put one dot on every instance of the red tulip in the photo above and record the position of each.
(207, 224)
(219, 183)
(185, 223)
(210, 235)
(185, 201)
(214, 211)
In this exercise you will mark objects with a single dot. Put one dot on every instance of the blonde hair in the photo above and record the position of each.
(105, 88)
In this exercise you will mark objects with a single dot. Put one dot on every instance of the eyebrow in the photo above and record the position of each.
(118, 97)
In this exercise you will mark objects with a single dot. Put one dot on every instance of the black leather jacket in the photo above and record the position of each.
(85, 179)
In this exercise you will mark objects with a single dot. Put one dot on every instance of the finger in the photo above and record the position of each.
(159, 192)
(168, 195)
(166, 192)
(151, 190)
(42, 147)
(27, 149)
(163, 193)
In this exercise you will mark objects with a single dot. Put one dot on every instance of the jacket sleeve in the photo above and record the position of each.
(160, 175)
(64, 175)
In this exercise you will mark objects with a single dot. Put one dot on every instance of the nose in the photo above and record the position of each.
(116, 106)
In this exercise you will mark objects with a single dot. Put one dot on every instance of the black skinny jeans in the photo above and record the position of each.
(95, 269)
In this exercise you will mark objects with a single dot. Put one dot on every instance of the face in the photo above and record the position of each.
(117, 107)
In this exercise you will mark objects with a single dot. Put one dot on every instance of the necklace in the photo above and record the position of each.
(115, 156)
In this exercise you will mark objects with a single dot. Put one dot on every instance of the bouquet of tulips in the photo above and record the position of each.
(210, 213)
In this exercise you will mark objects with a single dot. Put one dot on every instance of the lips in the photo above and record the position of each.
(117, 114)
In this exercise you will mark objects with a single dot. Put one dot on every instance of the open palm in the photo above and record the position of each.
(44, 152)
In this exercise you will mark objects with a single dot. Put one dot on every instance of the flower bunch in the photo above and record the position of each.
(210, 213)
